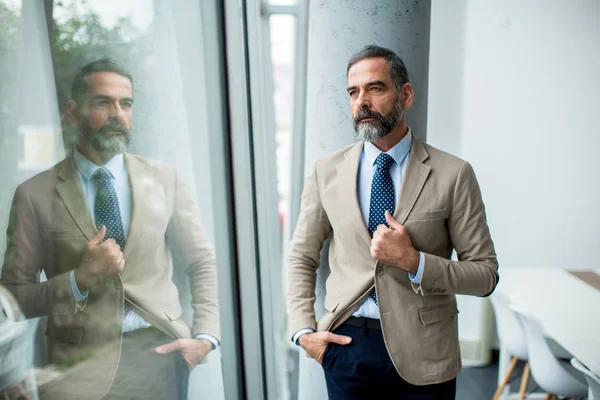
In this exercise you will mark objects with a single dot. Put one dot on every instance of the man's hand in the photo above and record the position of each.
(315, 343)
(393, 246)
(192, 350)
(100, 259)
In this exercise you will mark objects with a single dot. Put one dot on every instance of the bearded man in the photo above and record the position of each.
(99, 224)
(394, 210)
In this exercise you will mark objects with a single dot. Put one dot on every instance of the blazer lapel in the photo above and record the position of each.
(415, 175)
(347, 172)
(136, 169)
(71, 193)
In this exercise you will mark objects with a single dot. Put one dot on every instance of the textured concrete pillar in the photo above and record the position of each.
(337, 29)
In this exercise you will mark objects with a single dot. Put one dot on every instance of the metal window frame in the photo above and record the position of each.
(213, 41)
(241, 115)
(265, 185)
(240, 38)
(271, 263)
(300, 11)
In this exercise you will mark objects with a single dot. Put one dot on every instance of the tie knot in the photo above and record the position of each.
(102, 175)
(384, 161)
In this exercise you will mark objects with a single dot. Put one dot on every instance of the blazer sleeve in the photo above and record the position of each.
(24, 261)
(198, 254)
(476, 271)
(312, 229)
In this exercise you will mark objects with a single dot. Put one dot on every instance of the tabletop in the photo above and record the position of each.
(566, 303)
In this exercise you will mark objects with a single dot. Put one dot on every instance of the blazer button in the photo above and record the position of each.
(379, 270)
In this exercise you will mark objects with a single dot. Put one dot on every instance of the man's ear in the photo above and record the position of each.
(408, 95)
(72, 113)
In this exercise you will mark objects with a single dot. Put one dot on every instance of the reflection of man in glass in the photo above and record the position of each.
(98, 224)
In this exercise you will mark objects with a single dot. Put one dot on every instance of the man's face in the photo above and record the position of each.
(105, 115)
(375, 103)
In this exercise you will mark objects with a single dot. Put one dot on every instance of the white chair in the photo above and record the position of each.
(15, 349)
(553, 376)
(592, 379)
(512, 338)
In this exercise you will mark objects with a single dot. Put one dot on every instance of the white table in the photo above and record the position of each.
(567, 308)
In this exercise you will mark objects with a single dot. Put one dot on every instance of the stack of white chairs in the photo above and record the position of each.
(556, 377)
(16, 351)
(592, 379)
(512, 339)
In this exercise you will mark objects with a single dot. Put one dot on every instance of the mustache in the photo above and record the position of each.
(366, 113)
(113, 126)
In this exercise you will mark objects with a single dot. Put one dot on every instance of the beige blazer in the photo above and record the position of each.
(440, 204)
(50, 223)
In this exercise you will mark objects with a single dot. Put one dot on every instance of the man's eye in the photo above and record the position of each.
(375, 89)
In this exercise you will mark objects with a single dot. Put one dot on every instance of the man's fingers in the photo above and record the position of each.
(119, 263)
(168, 348)
(97, 240)
(338, 339)
(395, 225)
(110, 244)
(376, 242)
(377, 231)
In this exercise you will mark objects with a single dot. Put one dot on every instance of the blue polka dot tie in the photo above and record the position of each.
(107, 212)
(382, 197)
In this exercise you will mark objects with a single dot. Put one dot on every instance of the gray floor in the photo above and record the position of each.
(480, 383)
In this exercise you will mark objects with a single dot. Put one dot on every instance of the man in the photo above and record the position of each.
(96, 225)
(394, 209)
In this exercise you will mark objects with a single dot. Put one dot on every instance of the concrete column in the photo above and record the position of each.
(337, 29)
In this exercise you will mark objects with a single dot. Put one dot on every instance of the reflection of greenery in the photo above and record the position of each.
(9, 45)
(76, 358)
(77, 38)
(9, 24)
(9, 68)
(80, 37)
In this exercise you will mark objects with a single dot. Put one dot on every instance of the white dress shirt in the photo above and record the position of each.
(366, 169)
(120, 180)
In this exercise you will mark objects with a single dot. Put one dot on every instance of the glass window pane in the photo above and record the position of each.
(283, 29)
(283, 2)
(91, 312)
(283, 45)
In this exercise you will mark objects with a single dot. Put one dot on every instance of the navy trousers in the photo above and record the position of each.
(363, 369)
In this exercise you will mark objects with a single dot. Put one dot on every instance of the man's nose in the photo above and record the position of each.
(363, 101)
(118, 113)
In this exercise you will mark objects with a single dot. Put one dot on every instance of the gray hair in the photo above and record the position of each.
(398, 70)
(79, 86)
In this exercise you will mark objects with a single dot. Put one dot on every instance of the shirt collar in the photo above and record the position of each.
(87, 168)
(398, 152)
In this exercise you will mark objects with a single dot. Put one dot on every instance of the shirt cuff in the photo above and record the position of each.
(300, 333)
(416, 278)
(208, 337)
(78, 295)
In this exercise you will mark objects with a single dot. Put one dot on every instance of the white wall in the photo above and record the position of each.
(514, 89)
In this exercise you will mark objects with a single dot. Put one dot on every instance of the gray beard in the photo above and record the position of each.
(370, 131)
(105, 143)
